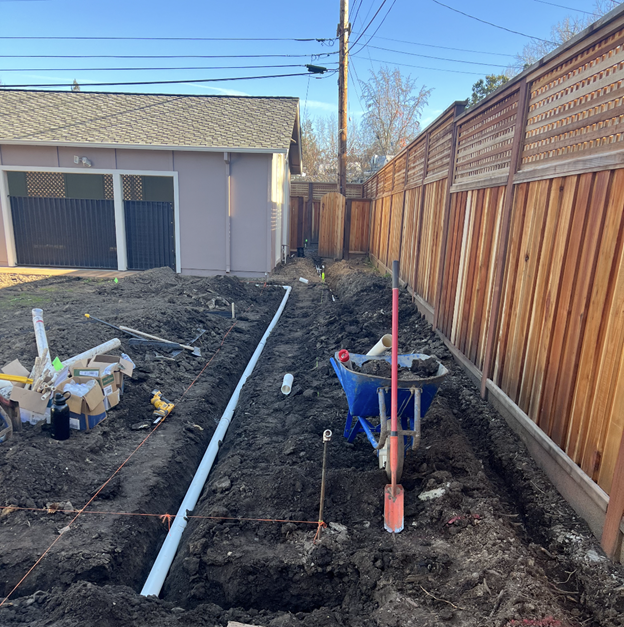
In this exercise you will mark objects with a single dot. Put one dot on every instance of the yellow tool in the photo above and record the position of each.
(14, 378)
(162, 405)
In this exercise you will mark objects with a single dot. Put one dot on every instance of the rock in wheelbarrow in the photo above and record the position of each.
(425, 367)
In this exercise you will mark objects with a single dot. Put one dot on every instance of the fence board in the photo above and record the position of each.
(606, 381)
(511, 269)
(546, 417)
(529, 257)
(550, 302)
(568, 369)
(331, 231)
(409, 243)
(541, 284)
(597, 317)
(360, 216)
(396, 224)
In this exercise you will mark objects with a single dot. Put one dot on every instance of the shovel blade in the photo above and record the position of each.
(197, 351)
(393, 509)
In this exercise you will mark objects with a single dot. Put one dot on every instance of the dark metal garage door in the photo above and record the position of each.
(66, 232)
(150, 234)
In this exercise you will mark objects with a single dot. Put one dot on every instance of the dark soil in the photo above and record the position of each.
(497, 547)
(420, 369)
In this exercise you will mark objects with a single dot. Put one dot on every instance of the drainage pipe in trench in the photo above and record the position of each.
(165, 557)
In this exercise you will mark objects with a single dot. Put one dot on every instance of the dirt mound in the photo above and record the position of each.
(36, 470)
(487, 541)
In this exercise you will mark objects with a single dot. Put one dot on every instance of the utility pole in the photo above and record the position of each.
(343, 34)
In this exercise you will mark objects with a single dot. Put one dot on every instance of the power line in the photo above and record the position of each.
(355, 85)
(90, 38)
(380, 25)
(357, 12)
(146, 69)
(478, 19)
(164, 56)
(422, 67)
(371, 21)
(195, 80)
(563, 7)
(427, 56)
(417, 43)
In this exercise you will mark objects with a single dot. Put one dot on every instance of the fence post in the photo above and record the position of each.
(347, 230)
(615, 509)
(501, 253)
(445, 222)
(421, 208)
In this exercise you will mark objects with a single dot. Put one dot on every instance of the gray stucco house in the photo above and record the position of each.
(133, 181)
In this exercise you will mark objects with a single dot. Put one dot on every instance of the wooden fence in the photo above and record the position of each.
(508, 221)
(305, 213)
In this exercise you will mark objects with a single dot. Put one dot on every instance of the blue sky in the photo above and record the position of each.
(422, 22)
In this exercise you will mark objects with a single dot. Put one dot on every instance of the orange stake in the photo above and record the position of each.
(393, 494)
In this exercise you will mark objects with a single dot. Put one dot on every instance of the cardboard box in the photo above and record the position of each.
(111, 400)
(86, 410)
(15, 368)
(113, 363)
(86, 422)
(33, 402)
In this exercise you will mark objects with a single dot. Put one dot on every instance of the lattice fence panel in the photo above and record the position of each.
(132, 187)
(399, 173)
(45, 184)
(439, 157)
(416, 164)
(484, 141)
(108, 187)
(578, 107)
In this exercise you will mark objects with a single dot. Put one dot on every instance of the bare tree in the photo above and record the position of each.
(311, 150)
(561, 32)
(394, 105)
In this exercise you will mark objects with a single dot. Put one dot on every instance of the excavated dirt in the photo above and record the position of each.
(487, 539)
(420, 369)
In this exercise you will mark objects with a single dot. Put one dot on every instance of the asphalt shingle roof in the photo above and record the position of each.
(147, 120)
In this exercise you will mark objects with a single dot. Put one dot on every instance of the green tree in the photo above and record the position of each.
(485, 86)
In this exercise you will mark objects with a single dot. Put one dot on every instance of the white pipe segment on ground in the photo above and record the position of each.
(384, 343)
(92, 352)
(287, 384)
(165, 557)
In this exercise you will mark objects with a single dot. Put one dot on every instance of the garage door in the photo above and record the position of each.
(68, 220)
(63, 220)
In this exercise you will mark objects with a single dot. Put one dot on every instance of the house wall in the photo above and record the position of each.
(249, 191)
(202, 200)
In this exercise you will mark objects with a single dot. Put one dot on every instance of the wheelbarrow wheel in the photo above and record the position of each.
(400, 455)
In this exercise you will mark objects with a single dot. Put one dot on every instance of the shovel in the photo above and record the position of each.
(393, 493)
(194, 349)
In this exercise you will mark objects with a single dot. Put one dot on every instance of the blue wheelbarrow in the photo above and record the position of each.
(369, 397)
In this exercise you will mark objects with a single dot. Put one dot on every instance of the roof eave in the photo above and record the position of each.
(20, 142)
(295, 155)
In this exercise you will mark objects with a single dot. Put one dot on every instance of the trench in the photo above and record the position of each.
(120, 550)
(270, 467)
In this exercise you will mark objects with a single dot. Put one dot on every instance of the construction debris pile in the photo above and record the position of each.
(91, 382)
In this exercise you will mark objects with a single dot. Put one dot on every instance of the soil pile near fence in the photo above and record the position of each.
(487, 540)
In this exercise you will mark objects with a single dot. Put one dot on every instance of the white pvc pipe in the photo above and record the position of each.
(167, 553)
(40, 335)
(92, 352)
(287, 384)
(384, 343)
